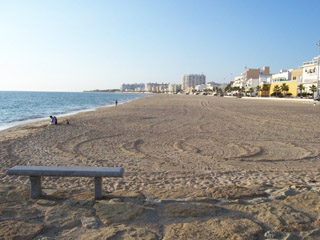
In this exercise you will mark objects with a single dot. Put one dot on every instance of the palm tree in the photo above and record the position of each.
(284, 88)
(251, 90)
(216, 89)
(266, 88)
(234, 89)
(301, 88)
(228, 88)
(313, 89)
(258, 88)
(241, 90)
(276, 90)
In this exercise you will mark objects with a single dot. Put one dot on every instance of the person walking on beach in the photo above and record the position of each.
(116, 102)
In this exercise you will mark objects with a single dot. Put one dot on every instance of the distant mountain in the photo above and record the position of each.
(107, 90)
(223, 85)
(219, 85)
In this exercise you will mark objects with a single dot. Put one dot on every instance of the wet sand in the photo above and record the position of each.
(176, 141)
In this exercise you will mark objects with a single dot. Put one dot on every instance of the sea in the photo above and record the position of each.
(18, 108)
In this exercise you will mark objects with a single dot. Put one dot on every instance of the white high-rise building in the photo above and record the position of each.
(192, 80)
(310, 73)
(174, 88)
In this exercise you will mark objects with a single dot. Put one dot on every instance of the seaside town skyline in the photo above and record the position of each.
(76, 46)
(159, 120)
(301, 81)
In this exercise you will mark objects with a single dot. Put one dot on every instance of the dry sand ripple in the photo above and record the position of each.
(169, 141)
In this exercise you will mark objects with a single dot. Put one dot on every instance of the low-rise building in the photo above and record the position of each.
(252, 77)
(296, 75)
(212, 85)
(238, 82)
(292, 88)
(201, 87)
(282, 76)
(276, 82)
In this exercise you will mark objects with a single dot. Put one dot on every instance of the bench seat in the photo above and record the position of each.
(36, 172)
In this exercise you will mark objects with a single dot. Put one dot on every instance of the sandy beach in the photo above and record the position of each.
(169, 141)
(174, 142)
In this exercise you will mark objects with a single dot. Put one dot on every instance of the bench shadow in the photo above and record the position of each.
(53, 197)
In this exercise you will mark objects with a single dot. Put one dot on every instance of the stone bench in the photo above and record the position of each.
(35, 173)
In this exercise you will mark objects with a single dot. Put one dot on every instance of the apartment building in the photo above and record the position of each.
(201, 87)
(134, 87)
(156, 87)
(251, 83)
(296, 75)
(174, 88)
(238, 82)
(192, 80)
(310, 73)
(282, 76)
(292, 78)
(252, 77)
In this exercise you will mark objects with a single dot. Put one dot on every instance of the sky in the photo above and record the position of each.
(80, 45)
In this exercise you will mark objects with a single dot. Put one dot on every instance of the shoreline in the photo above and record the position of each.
(64, 115)
(7, 126)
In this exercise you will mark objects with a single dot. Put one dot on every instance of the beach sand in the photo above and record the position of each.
(167, 143)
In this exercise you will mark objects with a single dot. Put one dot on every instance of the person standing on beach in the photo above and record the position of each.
(116, 102)
(55, 120)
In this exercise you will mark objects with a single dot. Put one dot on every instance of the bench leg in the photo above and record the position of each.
(35, 191)
(97, 188)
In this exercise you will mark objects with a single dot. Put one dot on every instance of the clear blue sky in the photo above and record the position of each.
(81, 45)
